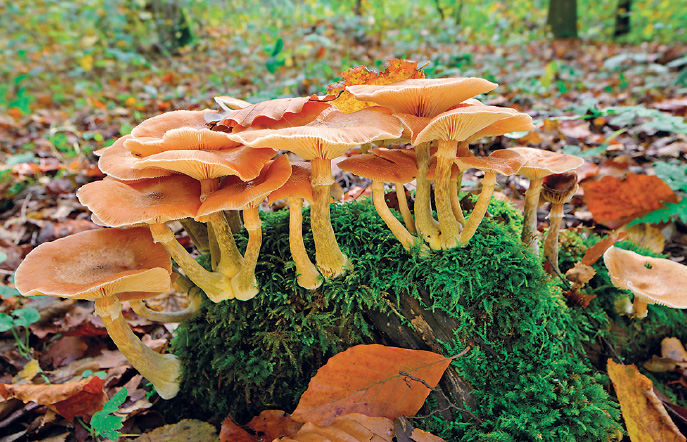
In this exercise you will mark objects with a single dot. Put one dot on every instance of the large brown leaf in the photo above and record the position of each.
(645, 416)
(348, 428)
(367, 379)
(615, 201)
(81, 398)
(271, 424)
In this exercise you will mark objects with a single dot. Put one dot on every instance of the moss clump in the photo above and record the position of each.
(525, 361)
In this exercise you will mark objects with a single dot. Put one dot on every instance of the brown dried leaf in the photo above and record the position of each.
(367, 379)
(348, 428)
(183, 431)
(672, 348)
(646, 235)
(615, 202)
(81, 398)
(423, 436)
(273, 424)
(232, 432)
(645, 416)
(395, 70)
(597, 250)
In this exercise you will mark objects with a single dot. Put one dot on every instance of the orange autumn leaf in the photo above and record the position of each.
(645, 416)
(367, 379)
(271, 424)
(80, 399)
(348, 428)
(615, 202)
(395, 70)
(597, 250)
(232, 432)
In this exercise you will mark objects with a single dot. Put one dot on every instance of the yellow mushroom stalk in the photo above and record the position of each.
(557, 189)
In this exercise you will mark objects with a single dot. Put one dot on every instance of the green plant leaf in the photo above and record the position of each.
(25, 316)
(674, 175)
(664, 214)
(6, 292)
(6, 322)
(103, 422)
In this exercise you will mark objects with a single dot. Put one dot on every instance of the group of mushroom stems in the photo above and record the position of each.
(204, 167)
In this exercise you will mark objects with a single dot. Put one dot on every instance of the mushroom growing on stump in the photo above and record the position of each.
(295, 190)
(381, 170)
(320, 141)
(104, 265)
(557, 189)
(451, 128)
(540, 164)
(420, 99)
(154, 202)
(235, 194)
(651, 280)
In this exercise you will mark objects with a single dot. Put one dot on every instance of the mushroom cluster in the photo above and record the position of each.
(212, 170)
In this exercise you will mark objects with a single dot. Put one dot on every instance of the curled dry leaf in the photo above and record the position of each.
(597, 250)
(395, 70)
(645, 416)
(77, 399)
(367, 379)
(183, 431)
(349, 428)
(271, 424)
(232, 432)
(615, 201)
(646, 235)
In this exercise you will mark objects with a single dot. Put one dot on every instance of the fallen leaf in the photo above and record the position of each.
(183, 431)
(81, 398)
(597, 250)
(423, 436)
(672, 348)
(645, 416)
(395, 70)
(348, 428)
(646, 235)
(574, 298)
(30, 370)
(367, 379)
(273, 424)
(615, 202)
(232, 432)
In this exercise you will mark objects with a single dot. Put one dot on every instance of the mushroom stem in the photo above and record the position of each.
(488, 184)
(234, 220)
(639, 309)
(230, 258)
(399, 231)
(329, 258)
(216, 286)
(162, 371)
(403, 207)
(551, 240)
(198, 233)
(448, 224)
(142, 310)
(207, 186)
(244, 284)
(308, 276)
(424, 222)
(215, 253)
(529, 223)
(455, 198)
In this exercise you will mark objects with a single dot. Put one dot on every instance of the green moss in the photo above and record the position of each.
(526, 362)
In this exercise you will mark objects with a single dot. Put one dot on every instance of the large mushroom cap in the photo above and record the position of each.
(330, 135)
(156, 200)
(460, 123)
(653, 280)
(95, 264)
(422, 97)
(542, 163)
(297, 186)
(516, 123)
(118, 162)
(378, 168)
(243, 161)
(503, 162)
(267, 113)
(235, 194)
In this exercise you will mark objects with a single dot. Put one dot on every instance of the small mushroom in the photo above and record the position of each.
(295, 190)
(651, 280)
(540, 164)
(104, 265)
(557, 189)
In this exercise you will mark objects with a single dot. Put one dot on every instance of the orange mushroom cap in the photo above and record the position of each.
(504, 162)
(461, 123)
(156, 200)
(268, 113)
(518, 122)
(330, 135)
(422, 97)
(243, 161)
(653, 280)
(377, 168)
(542, 163)
(297, 186)
(176, 130)
(404, 156)
(96, 263)
(118, 162)
(235, 194)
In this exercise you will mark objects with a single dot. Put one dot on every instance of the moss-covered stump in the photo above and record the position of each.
(525, 373)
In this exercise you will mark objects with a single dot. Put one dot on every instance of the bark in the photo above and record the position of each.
(562, 18)
(622, 18)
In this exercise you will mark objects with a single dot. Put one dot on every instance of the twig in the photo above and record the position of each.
(558, 273)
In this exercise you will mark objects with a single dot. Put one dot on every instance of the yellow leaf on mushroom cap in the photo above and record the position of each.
(95, 264)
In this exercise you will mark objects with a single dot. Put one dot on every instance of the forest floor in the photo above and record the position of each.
(620, 107)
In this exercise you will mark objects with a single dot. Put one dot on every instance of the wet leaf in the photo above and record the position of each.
(367, 379)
